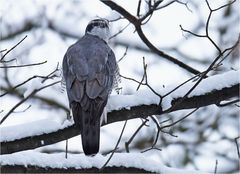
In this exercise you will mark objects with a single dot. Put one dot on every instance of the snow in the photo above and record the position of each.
(37, 128)
(208, 162)
(146, 97)
(80, 161)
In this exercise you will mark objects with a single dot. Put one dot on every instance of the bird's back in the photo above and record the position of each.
(89, 71)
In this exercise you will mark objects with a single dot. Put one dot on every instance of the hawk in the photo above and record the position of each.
(90, 72)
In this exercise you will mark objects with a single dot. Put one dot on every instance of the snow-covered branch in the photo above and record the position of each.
(31, 162)
(124, 107)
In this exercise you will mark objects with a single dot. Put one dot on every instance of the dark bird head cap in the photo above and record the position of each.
(98, 27)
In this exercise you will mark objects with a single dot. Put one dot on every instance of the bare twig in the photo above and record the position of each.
(114, 20)
(134, 135)
(124, 54)
(7, 61)
(207, 25)
(119, 32)
(13, 48)
(215, 169)
(25, 65)
(144, 74)
(151, 9)
(66, 149)
(24, 99)
(119, 139)
(23, 110)
(128, 78)
(181, 119)
(223, 6)
(158, 131)
(3, 50)
(151, 148)
(139, 8)
(238, 151)
(171, 2)
(49, 76)
(204, 74)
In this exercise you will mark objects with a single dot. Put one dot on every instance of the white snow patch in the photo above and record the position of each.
(80, 161)
(146, 97)
(37, 128)
(142, 97)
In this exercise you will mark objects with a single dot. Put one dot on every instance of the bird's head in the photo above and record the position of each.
(98, 27)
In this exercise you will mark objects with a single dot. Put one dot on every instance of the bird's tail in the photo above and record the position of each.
(89, 124)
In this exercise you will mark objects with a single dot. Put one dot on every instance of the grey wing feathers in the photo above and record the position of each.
(89, 69)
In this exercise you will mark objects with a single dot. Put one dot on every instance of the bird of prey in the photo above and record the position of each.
(90, 72)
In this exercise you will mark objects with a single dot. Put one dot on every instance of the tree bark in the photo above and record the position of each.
(37, 169)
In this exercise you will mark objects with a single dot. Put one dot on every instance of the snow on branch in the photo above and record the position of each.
(142, 104)
(33, 162)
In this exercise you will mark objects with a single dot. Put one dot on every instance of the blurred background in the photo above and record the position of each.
(52, 26)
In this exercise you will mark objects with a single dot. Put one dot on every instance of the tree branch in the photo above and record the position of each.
(38, 169)
(137, 23)
(142, 111)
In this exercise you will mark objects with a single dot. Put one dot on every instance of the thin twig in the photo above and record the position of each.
(134, 135)
(23, 110)
(114, 20)
(8, 61)
(144, 74)
(119, 139)
(66, 150)
(171, 2)
(3, 50)
(13, 47)
(215, 169)
(25, 65)
(158, 130)
(203, 75)
(132, 79)
(25, 99)
(49, 76)
(226, 5)
(181, 119)
(238, 151)
(139, 8)
(151, 9)
(124, 54)
(151, 148)
(119, 32)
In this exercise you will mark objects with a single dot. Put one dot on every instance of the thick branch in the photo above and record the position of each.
(142, 111)
(37, 169)
(137, 23)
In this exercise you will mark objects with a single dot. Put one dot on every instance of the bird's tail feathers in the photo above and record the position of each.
(89, 124)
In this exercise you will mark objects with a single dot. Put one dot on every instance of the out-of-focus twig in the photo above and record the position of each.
(25, 65)
(134, 135)
(12, 48)
(25, 99)
(119, 139)
(238, 151)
